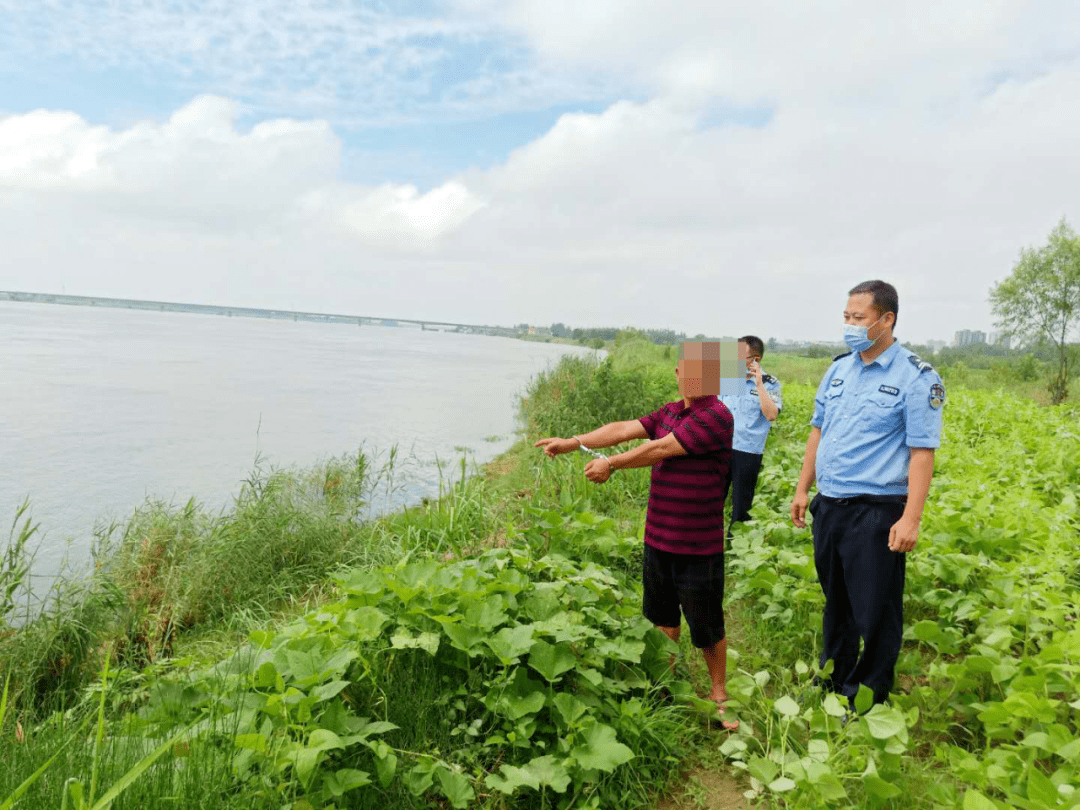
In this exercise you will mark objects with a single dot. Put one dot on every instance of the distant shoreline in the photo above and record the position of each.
(253, 312)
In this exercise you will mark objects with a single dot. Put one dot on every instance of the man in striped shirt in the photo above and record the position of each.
(690, 455)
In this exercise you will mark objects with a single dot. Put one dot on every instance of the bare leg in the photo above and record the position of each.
(716, 660)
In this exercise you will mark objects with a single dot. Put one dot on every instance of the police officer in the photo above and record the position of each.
(755, 408)
(876, 423)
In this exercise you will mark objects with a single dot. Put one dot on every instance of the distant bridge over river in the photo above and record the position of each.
(252, 312)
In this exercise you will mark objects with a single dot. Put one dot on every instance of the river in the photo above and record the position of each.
(101, 409)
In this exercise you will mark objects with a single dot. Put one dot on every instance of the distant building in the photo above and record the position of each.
(999, 339)
(966, 337)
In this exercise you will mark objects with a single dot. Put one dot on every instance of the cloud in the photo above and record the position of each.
(925, 147)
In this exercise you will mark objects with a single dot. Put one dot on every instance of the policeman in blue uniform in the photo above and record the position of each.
(754, 409)
(876, 424)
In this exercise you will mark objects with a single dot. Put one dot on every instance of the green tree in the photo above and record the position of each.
(1041, 298)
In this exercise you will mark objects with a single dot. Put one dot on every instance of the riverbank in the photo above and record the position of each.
(454, 613)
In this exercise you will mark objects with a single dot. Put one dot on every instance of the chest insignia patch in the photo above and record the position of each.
(753, 392)
(889, 389)
(937, 395)
(835, 383)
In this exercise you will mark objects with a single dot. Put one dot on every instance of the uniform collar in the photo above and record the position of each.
(885, 359)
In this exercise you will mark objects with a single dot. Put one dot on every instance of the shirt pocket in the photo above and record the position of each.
(884, 412)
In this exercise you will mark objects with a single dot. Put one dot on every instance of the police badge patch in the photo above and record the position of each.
(937, 395)
(835, 383)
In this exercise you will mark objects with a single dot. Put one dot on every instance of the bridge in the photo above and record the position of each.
(251, 312)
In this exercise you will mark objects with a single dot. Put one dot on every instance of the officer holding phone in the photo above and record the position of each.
(754, 409)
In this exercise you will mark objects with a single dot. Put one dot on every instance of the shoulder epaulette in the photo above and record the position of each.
(769, 378)
(845, 354)
(919, 363)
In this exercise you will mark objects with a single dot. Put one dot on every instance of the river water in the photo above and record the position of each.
(101, 409)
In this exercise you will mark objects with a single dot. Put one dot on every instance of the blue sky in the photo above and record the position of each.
(425, 94)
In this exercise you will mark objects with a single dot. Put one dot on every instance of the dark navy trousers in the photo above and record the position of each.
(745, 468)
(863, 582)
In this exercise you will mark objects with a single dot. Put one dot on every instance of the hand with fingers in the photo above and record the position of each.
(555, 446)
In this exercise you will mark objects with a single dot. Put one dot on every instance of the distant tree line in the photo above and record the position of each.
(661, 337)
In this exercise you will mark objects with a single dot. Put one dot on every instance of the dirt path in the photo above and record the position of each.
(708, 789)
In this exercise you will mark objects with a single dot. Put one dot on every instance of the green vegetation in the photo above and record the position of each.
(486, 649)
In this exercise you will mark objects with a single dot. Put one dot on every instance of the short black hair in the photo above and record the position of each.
(754, 344)
(885, 297)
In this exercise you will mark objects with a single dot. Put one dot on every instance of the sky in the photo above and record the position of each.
(710, 167)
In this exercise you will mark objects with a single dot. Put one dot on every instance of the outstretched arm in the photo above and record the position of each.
(610, 434)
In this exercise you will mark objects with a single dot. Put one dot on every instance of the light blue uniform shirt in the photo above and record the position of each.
(751, 426)
(870, 417)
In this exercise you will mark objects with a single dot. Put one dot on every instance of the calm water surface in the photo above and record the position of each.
(102, 408)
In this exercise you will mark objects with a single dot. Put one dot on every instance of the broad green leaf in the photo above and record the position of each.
(830, 788)
(487, 614)
(551, 660)
(252, 742)
(511, 779)
(342, 781)
(974, 800)
(786, 706)
(884, 722)
(267, 677)
(601, 750)
(833, 706)
(420, 777)
(322, 739)
(1041, 789)
(1070, 750)
(465, 638)
(764, 770)
(325, 691)
(510, 643)
(428, 642)
(927, 631)
(364, 622)
(818, 749)
(386, 767)
(879, 788)
(623, 649)
(548, 771)
(455, 787)
(570, 708)
(261, 638)
(305, 760)
(782, 785)
(864, 699)
(518, 707)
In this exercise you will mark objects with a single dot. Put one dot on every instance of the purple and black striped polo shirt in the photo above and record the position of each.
(686, 497)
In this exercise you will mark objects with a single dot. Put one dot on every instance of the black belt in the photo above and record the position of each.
(893, 499)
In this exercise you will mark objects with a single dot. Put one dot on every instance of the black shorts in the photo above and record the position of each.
(692, 583)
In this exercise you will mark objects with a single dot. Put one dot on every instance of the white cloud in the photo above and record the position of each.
(925, 149)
